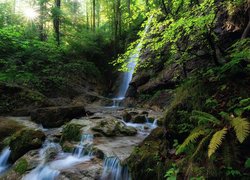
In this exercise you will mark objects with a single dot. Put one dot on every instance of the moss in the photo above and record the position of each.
(147, 160)
(24, 141)
(21, 166)
(71, 132)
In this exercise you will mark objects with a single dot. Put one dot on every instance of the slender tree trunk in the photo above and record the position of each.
(93, 16)
(87, 15)
(57, 21)
(247, 29)
(98, 13)
(42, 34)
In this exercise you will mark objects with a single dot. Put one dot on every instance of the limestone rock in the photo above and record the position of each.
(112, 127)
(24, 141)
(56, 116)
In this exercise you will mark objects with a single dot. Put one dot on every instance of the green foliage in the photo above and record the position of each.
(247, 163)
(21, 166)
(71, 132)
(216, 141)
(232, 172)
(172, 173)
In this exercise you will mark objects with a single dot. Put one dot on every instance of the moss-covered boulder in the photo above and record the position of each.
(56, 116)
(7, 128)
(71, 132)
(148, 160)
(113, 127)
(18, 100)
(126, 116)
(139, 119)
(24, 141)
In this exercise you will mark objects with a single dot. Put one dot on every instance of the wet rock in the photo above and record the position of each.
(7, 128)
(150, 154)
(112, 127)
(71, 132)
(86, 171)
(24, 141)
(24, 164)
(139, 119)
(126, 116)
(56, 116)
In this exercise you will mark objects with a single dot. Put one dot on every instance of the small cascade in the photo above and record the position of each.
(49, 170)
(43, 171)
(127, 76)
(84, 146)
(154, 125)
(4, 156)
(117, 102)
(114, 171)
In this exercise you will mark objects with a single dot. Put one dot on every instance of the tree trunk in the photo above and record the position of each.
(57, 21)
(247, 29)
(42, 34)
(93, 16)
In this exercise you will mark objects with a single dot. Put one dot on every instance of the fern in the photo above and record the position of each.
(203, 117)
(216, 141)
(241, 127)
(201, 144)
(194, 135)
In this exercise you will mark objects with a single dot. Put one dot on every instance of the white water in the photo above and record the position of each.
(50, 170)
(113, 170)
(127, 76)
(4, 156)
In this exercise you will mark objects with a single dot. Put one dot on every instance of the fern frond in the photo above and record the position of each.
(241, 127)
(216, 141)
(200, 145)
(196, 133)
(203, 117)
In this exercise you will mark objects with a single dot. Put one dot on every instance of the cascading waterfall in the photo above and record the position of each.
(127, 76)
(43, 170)
(84, 147)
(4, 156)
(114, 171)
(50, 170)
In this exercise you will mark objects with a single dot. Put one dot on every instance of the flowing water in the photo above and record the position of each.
(50, 170)
(132, 62)
(4, 156)
(113, 170)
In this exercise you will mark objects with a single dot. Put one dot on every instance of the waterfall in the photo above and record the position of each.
(114, 171)
(43, 170)
(85, 144)
(127, 76)
(4, 156)
(50, 170)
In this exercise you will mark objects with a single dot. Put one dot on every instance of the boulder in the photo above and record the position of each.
(71, 132)
(8, 127)
(126, 116)
(56, 116)
(24, 141)
(112, 127)
(150, 154)
(139, 119)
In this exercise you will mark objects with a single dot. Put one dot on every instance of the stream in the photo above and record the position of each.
(50, 162)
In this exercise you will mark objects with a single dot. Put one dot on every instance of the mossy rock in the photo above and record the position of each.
(67, 147)
(21, 166)
(112, 127)
(7, 128)
(139, 119)
(24, 141)
(147, 161)
(71, 132)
